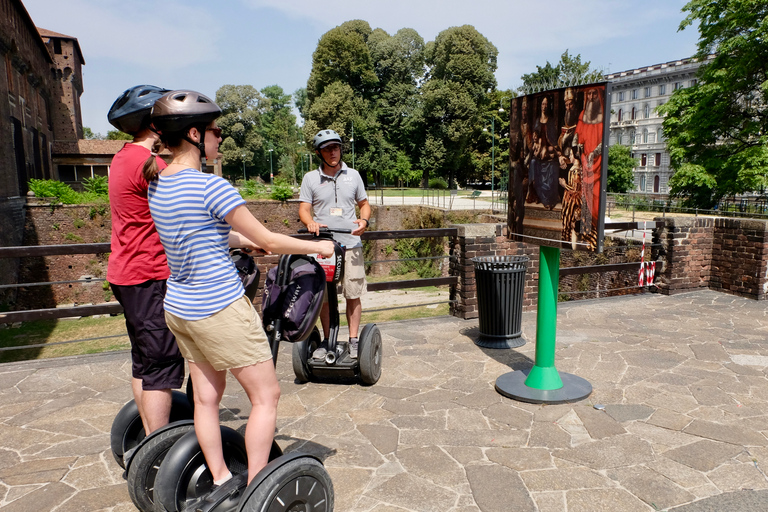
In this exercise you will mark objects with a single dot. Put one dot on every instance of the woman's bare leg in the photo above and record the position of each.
(260, 384)
(209, 387)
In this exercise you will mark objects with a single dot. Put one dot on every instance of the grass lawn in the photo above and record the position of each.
(109, 331)
(413, 192)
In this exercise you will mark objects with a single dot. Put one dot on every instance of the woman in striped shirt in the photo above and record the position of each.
(215, 325)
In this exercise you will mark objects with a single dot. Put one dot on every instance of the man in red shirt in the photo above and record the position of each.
(138, 269)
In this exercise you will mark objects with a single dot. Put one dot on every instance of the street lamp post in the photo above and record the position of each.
(493, 147)
(271, 176)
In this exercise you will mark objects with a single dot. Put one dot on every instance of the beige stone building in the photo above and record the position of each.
(635, 96)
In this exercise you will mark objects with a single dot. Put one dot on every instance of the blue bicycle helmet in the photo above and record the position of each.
(130, 112)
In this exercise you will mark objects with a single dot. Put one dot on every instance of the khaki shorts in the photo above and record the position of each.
(231, 338)
(354, 285)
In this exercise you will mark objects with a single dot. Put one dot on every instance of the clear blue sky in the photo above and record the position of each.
(203, 45)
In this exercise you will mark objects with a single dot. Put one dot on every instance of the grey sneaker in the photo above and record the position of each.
(320, 351)
(353, 342)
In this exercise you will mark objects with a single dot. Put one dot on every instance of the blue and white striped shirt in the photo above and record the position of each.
(189, 209)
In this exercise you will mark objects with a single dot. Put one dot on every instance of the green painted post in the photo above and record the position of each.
(544, 375)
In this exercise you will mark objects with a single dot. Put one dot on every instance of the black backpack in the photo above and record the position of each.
(247, 270)
(293, 295)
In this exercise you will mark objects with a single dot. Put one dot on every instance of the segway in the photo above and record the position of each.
(141, 456)
(290, 482)
(337, 363)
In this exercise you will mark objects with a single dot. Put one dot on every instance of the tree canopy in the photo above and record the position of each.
(717, 130)
(621, 177)
(569, 71)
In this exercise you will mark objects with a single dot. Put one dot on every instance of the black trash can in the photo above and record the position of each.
(500, 284)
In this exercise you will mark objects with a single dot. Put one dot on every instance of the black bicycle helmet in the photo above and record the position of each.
(178, 110)
(130, 112)
(325, 137)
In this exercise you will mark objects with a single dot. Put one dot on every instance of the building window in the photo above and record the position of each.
(67, 173)
(659, 135)
(645, 136)
(634, 94)
(619, 117)
(662, 89)
(632, 137)
(57, 46)
(647, 111)
(693, 82)
(656, 183)
(678, 85)
(633, 113)
(643, 160)
(658, 159)
(621, 96)
(647, 92)
(642, 183)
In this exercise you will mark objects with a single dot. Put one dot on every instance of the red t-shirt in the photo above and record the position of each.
(137, 254)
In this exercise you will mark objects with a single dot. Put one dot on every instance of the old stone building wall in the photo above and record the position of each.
(26, 130)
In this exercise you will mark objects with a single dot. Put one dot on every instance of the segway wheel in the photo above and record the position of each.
(370, 354)
(145, 463)
(184, 476)
(302, 353)
(300, 484)
(128, 431)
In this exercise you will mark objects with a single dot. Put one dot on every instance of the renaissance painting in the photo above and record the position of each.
(558, 163)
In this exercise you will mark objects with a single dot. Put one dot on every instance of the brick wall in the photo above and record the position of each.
(476, 240)
(686, 247)
(728, 255)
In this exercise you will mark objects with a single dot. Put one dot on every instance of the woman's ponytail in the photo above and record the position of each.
(151, 169)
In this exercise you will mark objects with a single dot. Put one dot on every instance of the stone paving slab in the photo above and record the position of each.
(683, 425)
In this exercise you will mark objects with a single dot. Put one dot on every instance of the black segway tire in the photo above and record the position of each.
(302, 353)
(184, 476)
(127, 429)
(370, 354)
(294, 482)
(144, 465)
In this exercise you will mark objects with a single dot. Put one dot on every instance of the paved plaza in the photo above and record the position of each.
(681, 380)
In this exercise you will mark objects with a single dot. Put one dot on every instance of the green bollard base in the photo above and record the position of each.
(544, 378)
(513, 385)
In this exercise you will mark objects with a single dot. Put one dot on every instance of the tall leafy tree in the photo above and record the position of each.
(240, 122)
(717, 130)
(621, 178)
(461, 65)
(568, 71)
(342, 55)
(279, 131)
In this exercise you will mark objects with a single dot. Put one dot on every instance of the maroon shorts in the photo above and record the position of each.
(155, 355)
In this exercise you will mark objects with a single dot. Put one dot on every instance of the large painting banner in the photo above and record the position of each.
(558, 164)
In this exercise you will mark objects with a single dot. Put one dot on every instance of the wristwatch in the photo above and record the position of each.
(366, 221)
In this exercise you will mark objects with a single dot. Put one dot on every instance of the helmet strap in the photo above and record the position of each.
(199, 145)
(320, 154)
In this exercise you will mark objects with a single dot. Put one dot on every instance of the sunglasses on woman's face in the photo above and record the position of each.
(215, 131)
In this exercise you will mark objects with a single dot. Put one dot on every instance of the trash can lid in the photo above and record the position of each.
(500, 262)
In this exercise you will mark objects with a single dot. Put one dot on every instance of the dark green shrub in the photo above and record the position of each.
(439, 183)
(281, 190)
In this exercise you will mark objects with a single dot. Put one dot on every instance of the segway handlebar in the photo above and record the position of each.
(326, 230)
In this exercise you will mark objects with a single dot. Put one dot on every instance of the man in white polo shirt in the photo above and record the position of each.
(332, 192)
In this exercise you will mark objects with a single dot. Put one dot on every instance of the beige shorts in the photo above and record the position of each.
(354, 285)
(231, 338)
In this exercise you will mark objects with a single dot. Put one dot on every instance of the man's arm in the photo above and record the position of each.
(365, 215)
(305, 215)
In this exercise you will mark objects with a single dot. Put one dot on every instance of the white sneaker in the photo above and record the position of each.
(353, 343)
(320, 351)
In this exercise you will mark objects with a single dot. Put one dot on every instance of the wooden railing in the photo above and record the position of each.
(110, 308)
